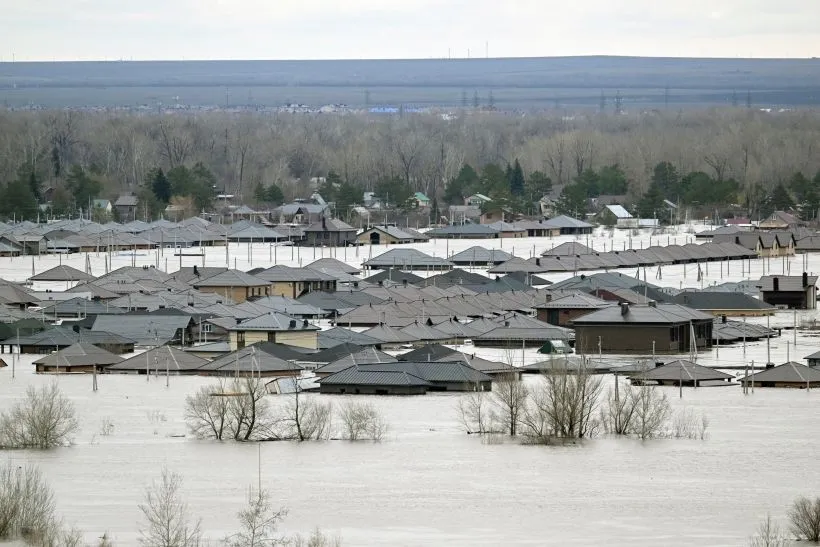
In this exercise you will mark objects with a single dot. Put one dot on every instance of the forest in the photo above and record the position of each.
(709, 158)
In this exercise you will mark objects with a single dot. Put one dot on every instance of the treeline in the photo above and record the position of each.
(102, 154)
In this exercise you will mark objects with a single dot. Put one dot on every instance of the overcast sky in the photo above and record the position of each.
(47, 30)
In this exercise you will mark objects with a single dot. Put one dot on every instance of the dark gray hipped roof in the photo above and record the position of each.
(564, 221)
(683, 370)
(248, 360)
(145, 329)
(333, 264)
(456, 230)
(79, 354)
(274, 322)
(161, 358)
(570, 248)
(367, 377)
(330, 225)
(338, 335)
(389, 335)
(286, 274)
(720, 301)
(231, 278)
(394, 274)
(581, 301)
(787, 373)
(65, 336)
(407, 259)
(79, 306)
(480, 255)
(364, 356)
(62, 273)
(660, 313)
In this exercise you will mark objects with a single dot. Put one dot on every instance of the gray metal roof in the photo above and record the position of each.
(581, 301)
(480, 255)
(161, 358)
(786, 283)
(456, 230)
(367, 377)
(787, 373)
(248, 360)
(81, 353)
(274, 322)
(569, 248)
(145, 329)
(389, 335)
(364, 356)
(333, 264)
(683, 370)
(79, 306)
(231, 278)
(407, 259)
(338, 335)
(721, 301)
(288, 274)
(660, 313)
(65, 336)
(62, 273)
(563, 221)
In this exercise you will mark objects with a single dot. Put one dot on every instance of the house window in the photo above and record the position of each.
(240, 339)
(207, 327)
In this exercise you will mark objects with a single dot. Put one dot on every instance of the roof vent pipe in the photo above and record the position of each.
(624, 308)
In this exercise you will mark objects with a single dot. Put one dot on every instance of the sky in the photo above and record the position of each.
(62, 30)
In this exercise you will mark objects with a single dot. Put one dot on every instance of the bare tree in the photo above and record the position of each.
(258, 521)
(510, 398)
(769, 535)
(565, 405)
(44, 419)
(167, 522)
(26, 503)
(316, 539)
(237, 410)
(475, 412)
(362, 421)
(304, 418)
(805, 519)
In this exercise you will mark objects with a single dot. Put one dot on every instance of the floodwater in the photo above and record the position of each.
(428, 483)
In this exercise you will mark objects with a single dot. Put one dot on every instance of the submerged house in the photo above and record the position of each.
(273, 327)
(680, 372)
(790, 291)
(789, 374)
(79, 357)
(658, 327)
(405, 378)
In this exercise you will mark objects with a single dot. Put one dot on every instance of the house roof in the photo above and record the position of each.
(659, 313)
(330, 225)
(578, 301)
(333, 264)
(274, 322)
(338, 335)
(250, 359)
(683, 370)
(287, 274)
(786, 283)
(79, 354)
(161, 358)
(146, 329)
(394, 274)
(720, 301)
(787, 373)
(390, 335)
(407, 258)
(65, 336)
(364, 356)
(569, 248)
(464, 229)
(618, 211)
(77, 306)
(62, 273)
(361, 376)
(231, 278)
(128, 200)
(564, 221)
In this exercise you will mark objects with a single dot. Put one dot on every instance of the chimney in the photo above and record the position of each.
(547, 297)
(305, 324)
(404, 282)
(292, 324)
(723, 319)
(805, 280)
(624, 308)
(652, 304)
(324, 224)
(356, 284)
(196, 271)
(775, 284)
(769, 365)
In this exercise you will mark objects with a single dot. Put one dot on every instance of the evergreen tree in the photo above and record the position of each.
(19, 201)
(516, 177)
(779, 199)
(572, 201)
(464, 184)
(665, 177)
(160, 185)
(260, 194)
(275, 195)
(651, 202)
(82, 187)
(537, 185)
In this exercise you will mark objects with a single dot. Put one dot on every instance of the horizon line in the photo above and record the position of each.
(406, 59)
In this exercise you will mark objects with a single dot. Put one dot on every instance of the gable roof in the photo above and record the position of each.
(330, 225)
(720, 301)
(333, 264)
(480, 255)
(660, 313)
(569, 248)
(618, 211)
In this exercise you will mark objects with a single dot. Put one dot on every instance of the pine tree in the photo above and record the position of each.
(517, 182)
(161, 186)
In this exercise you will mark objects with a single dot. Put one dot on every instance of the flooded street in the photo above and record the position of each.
(429, 483)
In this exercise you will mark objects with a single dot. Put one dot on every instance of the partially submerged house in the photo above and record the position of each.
(273, 327)
(791, 374)
(655, 327)
(159, 361)
(789, 291)
(563, 310)
(234, 285)
(330, 232)
(405, 378)
(680, 372)
(79, 357)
